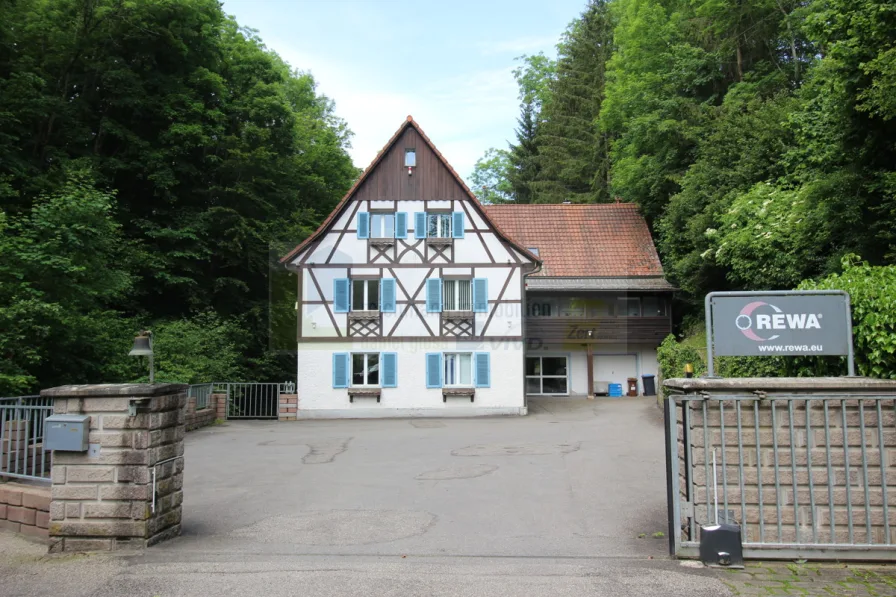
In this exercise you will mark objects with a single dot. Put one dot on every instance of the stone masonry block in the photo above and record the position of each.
(108, 510)
(90, 474)
(72, 510)
(20, 514)
(3, 508)
(57, 510)
(113, 439)
(164, 419)
(42, 520)
(74, 492)
(104, 405)
(141, 510)
(98, 528)
(141, 421)
(11, 494)
(106, 456)
(87, 545)
(57, 474)
(124, 492)
(37, 498)
(134, 474)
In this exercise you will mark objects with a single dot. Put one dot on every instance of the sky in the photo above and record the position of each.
(449, 63)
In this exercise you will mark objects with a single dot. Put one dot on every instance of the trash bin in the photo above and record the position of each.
(649, 385)
(632, 386)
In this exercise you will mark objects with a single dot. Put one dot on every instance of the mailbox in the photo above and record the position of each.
(67, 433)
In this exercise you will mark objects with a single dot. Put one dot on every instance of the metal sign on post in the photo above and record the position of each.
(778, 323)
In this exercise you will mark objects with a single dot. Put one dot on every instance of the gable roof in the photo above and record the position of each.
(604, 240)
(410, 122)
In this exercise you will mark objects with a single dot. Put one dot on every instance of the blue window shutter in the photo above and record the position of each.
(401, 224)
(480, 295)
(483, 369)
(389, 365)
(457, 224)
(363, 224)
(340, 369)
(434, 370)
(341, 295)
(387, 295)
(420, 224)
(434, 295)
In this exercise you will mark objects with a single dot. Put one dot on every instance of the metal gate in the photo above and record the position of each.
(252, 400)
(805, 474)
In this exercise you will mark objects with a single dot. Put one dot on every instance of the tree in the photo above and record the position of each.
(211, 146)
(573, 153)
(490, 178)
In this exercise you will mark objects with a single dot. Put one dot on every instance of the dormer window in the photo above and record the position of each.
(410, 158)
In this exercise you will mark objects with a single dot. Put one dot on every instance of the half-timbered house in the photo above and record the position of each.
(410, 298)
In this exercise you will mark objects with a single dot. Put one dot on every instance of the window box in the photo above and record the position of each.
(364, 393)
(458, 393)
(363, 315)
(457, 315)
(437, 241)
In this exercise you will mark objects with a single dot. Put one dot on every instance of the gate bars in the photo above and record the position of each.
(808, 475)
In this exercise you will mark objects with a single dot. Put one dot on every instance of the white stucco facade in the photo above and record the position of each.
(411, 397)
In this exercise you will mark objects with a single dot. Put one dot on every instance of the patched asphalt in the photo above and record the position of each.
(565, 501)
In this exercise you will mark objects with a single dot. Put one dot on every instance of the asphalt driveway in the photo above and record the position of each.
(565, 501)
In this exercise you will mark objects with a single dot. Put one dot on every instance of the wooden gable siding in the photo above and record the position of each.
(390, 181)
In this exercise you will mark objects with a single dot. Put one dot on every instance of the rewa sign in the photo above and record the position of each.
(799, 322)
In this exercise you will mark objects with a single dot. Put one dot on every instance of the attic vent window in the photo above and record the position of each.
(410, 158)
(533, 250)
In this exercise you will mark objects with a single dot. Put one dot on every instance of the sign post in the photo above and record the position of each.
(778, 323)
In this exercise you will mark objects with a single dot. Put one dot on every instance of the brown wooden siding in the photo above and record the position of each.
(390, 181)
(603, 329)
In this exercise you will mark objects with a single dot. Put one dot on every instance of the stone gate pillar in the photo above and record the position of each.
(126, 490)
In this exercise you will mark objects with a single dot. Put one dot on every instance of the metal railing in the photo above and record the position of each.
(804, 475)
(22, 454)
(251, 400)
(201, 392)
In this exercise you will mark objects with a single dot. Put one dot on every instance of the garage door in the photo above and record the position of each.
(615, 368)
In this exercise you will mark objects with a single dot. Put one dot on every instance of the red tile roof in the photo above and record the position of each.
(575, 240)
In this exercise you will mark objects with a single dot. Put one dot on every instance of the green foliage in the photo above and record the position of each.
(872, 292)
(489, 179)
(672, 357)
(151, 154)
(572, 153)
(201, 349)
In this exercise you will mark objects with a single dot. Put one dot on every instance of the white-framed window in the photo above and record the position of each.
(382, 225)
(365, 369)
(438, 225)
(456, 295)
(365, 295)
(547, 375)
(458, 369)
